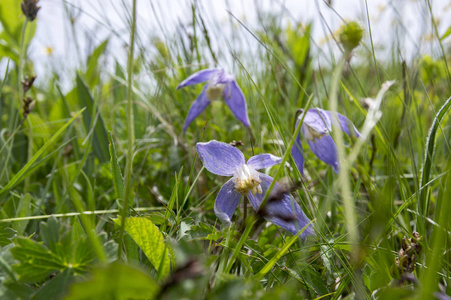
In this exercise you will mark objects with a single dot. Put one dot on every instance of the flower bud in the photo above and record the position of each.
(351, 34)
(30, 9)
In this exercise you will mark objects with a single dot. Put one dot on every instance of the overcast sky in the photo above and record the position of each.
(95, 19)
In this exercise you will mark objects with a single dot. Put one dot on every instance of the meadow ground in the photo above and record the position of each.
(106, 193)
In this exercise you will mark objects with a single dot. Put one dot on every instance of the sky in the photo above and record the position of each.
(57, 45)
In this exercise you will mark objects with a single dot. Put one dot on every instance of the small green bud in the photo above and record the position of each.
(351, 34)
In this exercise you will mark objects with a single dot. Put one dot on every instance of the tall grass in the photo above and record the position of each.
(73, 227)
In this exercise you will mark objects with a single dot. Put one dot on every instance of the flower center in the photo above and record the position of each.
(246, 179)
(311, 134)
(215, 91)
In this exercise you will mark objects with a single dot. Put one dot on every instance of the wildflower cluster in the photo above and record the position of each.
(226, 160)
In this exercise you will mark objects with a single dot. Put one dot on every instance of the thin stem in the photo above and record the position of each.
(372, 44)
(75, 214)
(244, 212)
(285, 157)
(131, 133)
(12, 115)
(344, 166)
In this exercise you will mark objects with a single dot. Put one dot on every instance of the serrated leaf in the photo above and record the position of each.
(64, 247)
(6, 234)
(115, 281)
(36, 261)
(150, 240)
(56, 287)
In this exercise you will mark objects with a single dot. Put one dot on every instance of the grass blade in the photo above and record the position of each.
(19, 176)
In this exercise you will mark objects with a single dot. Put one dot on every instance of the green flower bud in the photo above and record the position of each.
(351, 34)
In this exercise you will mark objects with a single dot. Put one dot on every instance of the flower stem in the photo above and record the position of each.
(244, 212)
(131, 133)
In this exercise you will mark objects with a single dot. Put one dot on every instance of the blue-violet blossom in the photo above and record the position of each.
(220, 84)
(225, 160)
(316, 128)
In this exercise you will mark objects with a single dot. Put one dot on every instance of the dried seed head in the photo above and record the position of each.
(410, 249)
(30, 9)
(27, 83)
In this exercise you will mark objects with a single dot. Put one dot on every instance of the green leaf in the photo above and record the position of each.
(118, 180)
(115, 281)
(6, 234)
(10, 17)
(446, 34)
(150, 240)
(22, 210)
(423, 199)
(92, 73)
(100, 137)
(19, 176)
(65, 247)
(12, 21)
(55, 288)
(36, 261)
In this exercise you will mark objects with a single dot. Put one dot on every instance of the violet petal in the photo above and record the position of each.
(196, 108)
(220, 158)
(234, 98)
(297, 153)
(326, 150)
(345, 123)
(226, 202)
(282, 211)
(198, 77)
(262, 161)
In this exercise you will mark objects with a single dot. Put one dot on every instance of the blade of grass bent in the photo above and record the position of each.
(19, 176)
(423, 199)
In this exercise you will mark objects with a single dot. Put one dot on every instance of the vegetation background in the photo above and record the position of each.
(97, 139)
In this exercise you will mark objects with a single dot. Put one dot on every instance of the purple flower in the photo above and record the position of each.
(225, 160)
(220, 84)
(317, 127)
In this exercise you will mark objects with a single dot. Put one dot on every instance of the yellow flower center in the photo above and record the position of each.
(246, 179)
(215, 91)
(312, 134)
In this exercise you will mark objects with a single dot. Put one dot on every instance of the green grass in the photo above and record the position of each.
(101, 185)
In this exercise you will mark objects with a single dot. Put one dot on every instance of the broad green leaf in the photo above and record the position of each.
(19, 176)
(100, 137)
(11, 18)
(6, 234)
(65, 247)
(115, 281)
(150, 240)
(15, 290)
(92, 73)
(56, 287)
(36, 261)
(12, 21)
